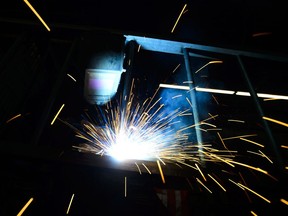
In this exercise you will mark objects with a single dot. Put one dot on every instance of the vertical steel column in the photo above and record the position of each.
(190, 78)
(255, 98)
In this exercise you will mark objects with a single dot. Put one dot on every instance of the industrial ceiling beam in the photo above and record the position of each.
(175, 47)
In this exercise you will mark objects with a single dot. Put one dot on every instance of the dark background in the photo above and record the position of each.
(37, 159)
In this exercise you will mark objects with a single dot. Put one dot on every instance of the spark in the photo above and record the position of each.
(198, 180)
(138, 168)
(275, 121)
(71, 200)
(188, 81)
(176, 96)
(265, 156)
(253, 213)
(214, 129)
(161, 172)
(36, 13)
(251, 167)
(125, 186)
(211, 62)
(13, 118)
(72, 77)
(55, 117)
(217, 157)
(200, 172)
(178, 18)
(176, 68)
(250, 141)
(202, 122)
(241, 136)
(284, 146)
(252, 191)
(237, 184)
(147, 131)
(139, 47)
(222, 141)
(284, 201)
(236, 120)
(147, 168)
(211, 116)
(248, 197)
(217, 183)
(25, 207)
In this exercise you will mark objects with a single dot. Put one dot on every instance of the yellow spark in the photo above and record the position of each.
(14, 117)
(200, 172)
(186, 164)
(204, 185)
(253, 213)
(211, 62)
(249, 166)
(236, 137)
(36, 13)
(252, 191)
(255, 153)
(221, 140)
(283, 146)
(161, 172)
(138, 168)
(237, 184)
(284, 201)
(275, 121)
(217, 183)
(217, 157)
(202, 122)
(25, 207)
(72, 77)
(212, 116)
(247, 140)
(178, 18)
(176, 68)
(266, 156)
(125, 186)
(146, 168)
(161, 161)
(71, 200)
(201, 129)
(139, 46)
(55, 117)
